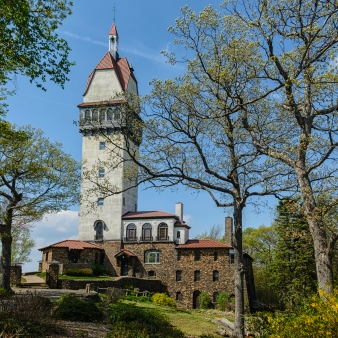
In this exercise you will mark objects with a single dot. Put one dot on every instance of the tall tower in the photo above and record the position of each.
(100, 115)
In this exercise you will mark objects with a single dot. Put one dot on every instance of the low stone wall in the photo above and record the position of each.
(151, 285)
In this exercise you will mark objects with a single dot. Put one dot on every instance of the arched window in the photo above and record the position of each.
(152, 257)
(99, 230)
(109, 114)
(117, 115)
(95, 115)
(102, 115)
(214, 297)
(131, 232)
(163, 231)
(87, 115)
(146, 232)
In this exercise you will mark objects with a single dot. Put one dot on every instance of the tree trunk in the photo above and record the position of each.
(6, 242)
(320, 240)
(239, 274)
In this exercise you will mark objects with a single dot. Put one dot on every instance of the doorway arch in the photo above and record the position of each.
(195, 301)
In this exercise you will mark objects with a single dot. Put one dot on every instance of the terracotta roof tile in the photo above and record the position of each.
(113, 30)
(127, 252)
(203, 244)
(121, 67)
(148, 214)
(182, 224)
(72, 244)
(103, 103)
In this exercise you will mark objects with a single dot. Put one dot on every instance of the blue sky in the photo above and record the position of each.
(142, 28)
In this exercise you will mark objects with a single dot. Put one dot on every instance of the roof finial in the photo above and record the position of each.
(114, 13)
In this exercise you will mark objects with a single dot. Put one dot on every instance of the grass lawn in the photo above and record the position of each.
(190, 322)
(43, 275)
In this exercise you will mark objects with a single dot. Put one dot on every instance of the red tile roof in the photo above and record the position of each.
(203, 244)
(105, 103)
(113, 30)
(182, 224)
(121, 67)
(127, 252)
(72, 244)
(148, 214)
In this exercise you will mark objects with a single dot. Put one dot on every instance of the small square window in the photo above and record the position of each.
(178, 275)
(101, 172)
(102, 145)
(100, 202)
(197, 275)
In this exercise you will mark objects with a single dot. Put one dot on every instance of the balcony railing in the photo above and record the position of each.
(162, 239)
(130, 239)
(146, 239)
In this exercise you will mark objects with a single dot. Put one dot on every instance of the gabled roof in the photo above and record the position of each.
(148, 214)
(121, 67)
(113, 30)
(203, 244)
(72, 245)
(181, 224)
(126, 252)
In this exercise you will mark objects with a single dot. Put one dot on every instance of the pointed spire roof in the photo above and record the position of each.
(113, 30)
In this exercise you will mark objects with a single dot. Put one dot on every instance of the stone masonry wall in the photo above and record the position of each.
(169, 264)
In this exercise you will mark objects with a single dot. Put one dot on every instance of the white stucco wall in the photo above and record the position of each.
(104, 86)
(184, 234)
(110, 213)
(154, 223)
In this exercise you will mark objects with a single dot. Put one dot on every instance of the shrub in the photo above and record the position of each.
(204, 300)
(99, 270)
(163, 299)
(223, 301)
(85, 272)
(317, 317)
(71, 307)
(132, 322)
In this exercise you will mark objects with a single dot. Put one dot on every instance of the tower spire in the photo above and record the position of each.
(113, 38)
(114, 11)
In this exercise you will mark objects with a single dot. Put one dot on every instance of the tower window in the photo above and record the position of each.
(100, 202)
(87, 115)
(99, 231)
(124, 201)
(102, 145)
(101, 172)
(109, 114)
(131, 232)
(215, 276)
(95, 115)
(117, 116)
(178, 234)
(197, 275)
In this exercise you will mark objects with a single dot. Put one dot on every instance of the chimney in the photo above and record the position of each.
(179, 210)
(228, 230)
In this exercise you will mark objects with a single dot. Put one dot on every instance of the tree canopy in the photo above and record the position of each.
(36, 177)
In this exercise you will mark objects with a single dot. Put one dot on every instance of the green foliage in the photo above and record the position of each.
(29, 45)
(223, 301)
(292, 272)
(71, 307)
(133, 322)
(84, 272)
(315, 317)
(205, 301)
(99, 270)
(22, 245)
(163, 299)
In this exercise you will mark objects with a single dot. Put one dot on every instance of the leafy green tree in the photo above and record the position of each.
(22, 245)
(29, 43)
(36, 177)
(292, 272)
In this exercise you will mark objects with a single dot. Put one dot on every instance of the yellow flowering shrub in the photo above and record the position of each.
(163, 299)
(318, 317)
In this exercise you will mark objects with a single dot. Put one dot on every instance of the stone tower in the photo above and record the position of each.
(100, 115)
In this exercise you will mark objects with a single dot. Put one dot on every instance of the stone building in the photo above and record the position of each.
(143, 244)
